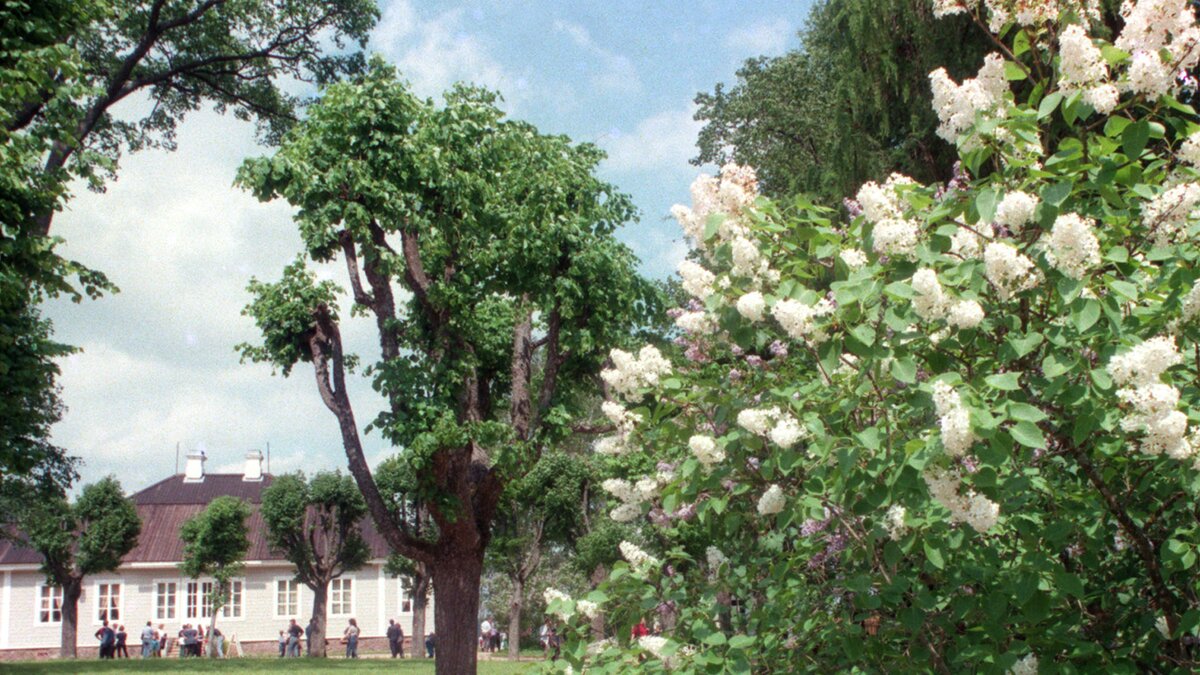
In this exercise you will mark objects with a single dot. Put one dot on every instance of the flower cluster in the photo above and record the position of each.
(1167, 215)
(696, 323)
(1023, 12)
(854, 258)
(894, 522)
(630, 374)
(1072, 246)
(706, 450)
(883, 205)
(1026, 666)
(957, 105)
(730, 194)
(752, 305)
(954, 420)
(971, 508)
(932, 303)
(1084, 69)
(782, 429)
(1008, 269)
(1153, 404)
(639, 560)
(631, 496)
(697, 280)
(1154, 28)
(772, 501)
(1016, 210)
(800, 319)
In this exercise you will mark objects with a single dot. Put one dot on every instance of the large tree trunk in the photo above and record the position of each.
(515, 602)
(456, 583)
(420, 604)
(70, 617)
(316, 644)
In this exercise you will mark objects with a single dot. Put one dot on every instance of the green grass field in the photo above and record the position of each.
(248, 666)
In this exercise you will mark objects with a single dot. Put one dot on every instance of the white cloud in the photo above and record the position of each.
(664, 141)
(768, 37)
(617, 73)
(434, 53)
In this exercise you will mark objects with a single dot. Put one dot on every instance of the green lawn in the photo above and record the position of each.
(252, 665)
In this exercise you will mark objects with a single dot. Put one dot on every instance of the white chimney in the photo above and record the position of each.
(193, 472)
(254, 461)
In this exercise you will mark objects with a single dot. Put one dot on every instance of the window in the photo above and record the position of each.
(108, 602)
(233, 604)
(50, 604)
(405, 596)
(287, 598)
(341, 597)
(165, 593)
(198, 604)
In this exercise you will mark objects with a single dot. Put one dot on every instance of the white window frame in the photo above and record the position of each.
(96, 620)
(177, 605)
(402, 596)
(37, 610)
(226, 614)
(203, 605)
(275, 597)
(353, 587)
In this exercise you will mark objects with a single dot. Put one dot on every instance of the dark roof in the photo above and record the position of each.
(166, 505)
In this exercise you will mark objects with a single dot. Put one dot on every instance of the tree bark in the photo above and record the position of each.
(515, 603)
(420, 604)
(456, 583)
(316, 644)
(70, 617)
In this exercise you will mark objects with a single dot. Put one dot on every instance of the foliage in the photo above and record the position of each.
(955, 431)
(215, 544)
(501, 238)
(84, 538)
(316, 524)
(851, 104)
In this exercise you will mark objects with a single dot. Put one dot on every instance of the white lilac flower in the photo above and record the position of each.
(1016, 210)
(1103, 98)
(588, 608)
(957, 105)
(638, 559)
(894, 522)
(1164, 628)
(1072, 245)
(799, 319)
(954, 420)
(696, 323)
(646, 488)
(930, 302)
(706, 450)
(896, 237)
(1152, 28)
(1026, 666)
(772, 501)
(655, 644)
(786, 432)
(1008, 270)
(966, 244)
(612, 446)
(1146, 362)
(715, 558)
(758, 422)
(552, 594)
(1168, 214)
(697, 281)
(625, 513)
(631, 373)
(752, 306)
(1191, 304)
(621, 489)
(965, 314)
(1082, 64)
(1152, 403)
(747, 261)
(1189, 150)
(616, 413)
(853, 257)
(974, 509)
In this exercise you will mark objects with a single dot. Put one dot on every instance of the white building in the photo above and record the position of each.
(148, 586)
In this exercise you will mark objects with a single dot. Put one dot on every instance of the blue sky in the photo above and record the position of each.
(158, 366)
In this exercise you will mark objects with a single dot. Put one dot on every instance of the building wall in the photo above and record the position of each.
(375, 596)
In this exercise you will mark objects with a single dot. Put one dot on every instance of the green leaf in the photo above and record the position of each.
(1004, 381)
(1086, 316)
(1028, 434)
(1134, 138)
(934, 556)
(1048, 104)
(985, 203)
(904, 370)
(1057, 194)
(1025, 412)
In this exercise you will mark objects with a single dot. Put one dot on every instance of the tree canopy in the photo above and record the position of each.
(501, 238)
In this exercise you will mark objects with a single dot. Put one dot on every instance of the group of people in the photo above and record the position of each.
(192, 640)
(290, 638)
(491, 639)
(112, 641)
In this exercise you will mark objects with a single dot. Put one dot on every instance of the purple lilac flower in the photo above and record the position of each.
(754, 361)
(778, 349)
(853, 207)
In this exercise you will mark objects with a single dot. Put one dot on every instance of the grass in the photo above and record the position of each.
(252, 665)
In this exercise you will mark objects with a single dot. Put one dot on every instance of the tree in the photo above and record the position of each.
(215, 544)
(538, 510)
(851, 104)
(317, 526)
(78, 540)
(955, 430)
(398, 485)
(501, 238)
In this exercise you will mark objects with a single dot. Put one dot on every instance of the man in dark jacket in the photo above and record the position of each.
(107, 638)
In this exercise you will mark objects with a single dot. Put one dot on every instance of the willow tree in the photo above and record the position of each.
(484, 251)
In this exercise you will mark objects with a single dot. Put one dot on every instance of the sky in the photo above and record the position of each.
(158, 368)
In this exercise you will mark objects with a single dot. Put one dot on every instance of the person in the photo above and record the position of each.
(400, 640)
(107, 638)
(556, 643)
(160, 639)
(294, 633)
(639, 630)
(429, 645)
(148, 640)
(198, 644)
(393, 637)
(502, 641)
(283, 643)
(119, 649)
(218, 642)
(544, 638)
(351, 638)
(309, 631)
(485, 635)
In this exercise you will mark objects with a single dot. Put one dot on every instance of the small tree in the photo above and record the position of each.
(398, 485)
(215, 544)
(317, 525)
(80, 539)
